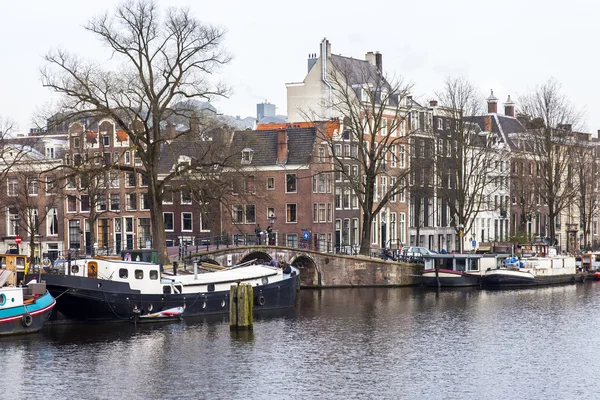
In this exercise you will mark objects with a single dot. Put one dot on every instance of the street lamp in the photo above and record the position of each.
(270, 237)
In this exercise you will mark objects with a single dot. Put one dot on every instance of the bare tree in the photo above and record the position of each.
(465, 157)
(165, 58)
(587, 174)
(552, 119)
(368, 156)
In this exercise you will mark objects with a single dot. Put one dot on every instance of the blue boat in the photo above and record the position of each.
(24, 309)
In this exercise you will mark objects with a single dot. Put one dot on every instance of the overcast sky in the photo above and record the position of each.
(509, 46)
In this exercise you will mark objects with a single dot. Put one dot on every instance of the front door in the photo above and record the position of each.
(92, 269)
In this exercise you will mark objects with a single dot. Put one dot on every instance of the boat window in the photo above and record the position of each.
(123, 274)
(178, 289)
(139, 274)
(154, 274)
(166, 289)
(210, 287)
(2, 299)
(265, 280)
(473, 265)
(20, 261)
(460, 265)
(75, 269)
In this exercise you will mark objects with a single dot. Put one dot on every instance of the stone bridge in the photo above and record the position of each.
(319, 269)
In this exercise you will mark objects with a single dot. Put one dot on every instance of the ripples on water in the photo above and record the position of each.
(401, 343)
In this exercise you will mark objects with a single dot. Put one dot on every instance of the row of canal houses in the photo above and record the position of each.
(288, 182)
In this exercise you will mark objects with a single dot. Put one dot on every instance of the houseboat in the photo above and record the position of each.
(457, 270)
(118, 290)
(533, 271)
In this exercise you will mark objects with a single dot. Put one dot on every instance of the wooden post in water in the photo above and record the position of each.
(240, 306)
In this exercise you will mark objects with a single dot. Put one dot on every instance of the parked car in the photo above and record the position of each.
(415, 253)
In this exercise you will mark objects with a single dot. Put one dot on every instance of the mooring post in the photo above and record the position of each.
(240, 306)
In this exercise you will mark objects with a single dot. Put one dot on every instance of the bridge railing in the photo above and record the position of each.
(188, 245)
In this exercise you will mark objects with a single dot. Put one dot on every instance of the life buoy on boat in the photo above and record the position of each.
(260, 300)
(26, 320)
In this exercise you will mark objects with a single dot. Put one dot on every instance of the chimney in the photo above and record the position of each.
(509, 108)
(492, 103)
(370, 57)
(194, 124)
(312, 59)
(170, 131)
(282, 146)
(433, 103)
(379, 61)
(487, 123)
(328, 45)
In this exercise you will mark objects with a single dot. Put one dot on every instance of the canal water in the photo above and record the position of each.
(384, 343)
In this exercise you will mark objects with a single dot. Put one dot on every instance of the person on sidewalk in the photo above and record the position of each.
(259, 233)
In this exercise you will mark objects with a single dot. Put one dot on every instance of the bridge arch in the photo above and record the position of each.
(260, 256)
(310, 274)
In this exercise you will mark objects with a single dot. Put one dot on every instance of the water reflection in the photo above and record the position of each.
(335, 343)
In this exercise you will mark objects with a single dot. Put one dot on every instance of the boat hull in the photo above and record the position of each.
(99, 300)
(449, 278)
(509, 279)
(27, 318)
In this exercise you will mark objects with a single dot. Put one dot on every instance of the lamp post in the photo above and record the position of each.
(270, 234)
(461, 233)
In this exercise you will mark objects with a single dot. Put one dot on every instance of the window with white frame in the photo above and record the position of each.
(50, 152)
(315, 212)
(50, 184)
(127, 158)
(322, 213)
(114, 181)
(168, 220)
(402, 190)
(393, 230)
(402, 156)
(115, 202)
(85, 203)
(13, 186)
(329, 212)
(237, 214)
(290, 215)
(338, 198)
(346, 199)
(393, 156)
(33, 221)
(12, 222)
(247, 154)
(186, 196)
(144, 201)
(290, 186)
(32, 186)
(250, 214)
(271, 183)
(101, 203)
(204, 222)
(52, 222)
(393, 189)
(131, 201)
(384, 126)
(402, 228)
(71, 204)
(186, 222)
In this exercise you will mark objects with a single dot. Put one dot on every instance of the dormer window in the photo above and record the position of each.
(183, 162)
(247, 154)
(49, 152)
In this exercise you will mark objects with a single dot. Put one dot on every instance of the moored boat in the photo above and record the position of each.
(115, 290)
(533, 271)
(457, 270)
(24, 309)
